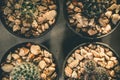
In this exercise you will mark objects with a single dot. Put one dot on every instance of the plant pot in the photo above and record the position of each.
(84, 31)
(32, 32)
(31, 60)
(77, 56)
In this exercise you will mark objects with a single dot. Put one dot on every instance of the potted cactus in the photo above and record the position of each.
(92, 18)
(28, 61)
(92, 61)
(101, 73)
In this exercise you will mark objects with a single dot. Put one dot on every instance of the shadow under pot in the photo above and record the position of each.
(29, 18)
(28, 61)
(92, 19)
(92, 61)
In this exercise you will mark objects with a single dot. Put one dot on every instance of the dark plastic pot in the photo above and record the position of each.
(82, 34)
(24, 45)
(22, 35)
(85, 44)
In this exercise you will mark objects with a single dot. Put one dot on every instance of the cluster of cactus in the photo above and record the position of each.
(93, 72)
(101, 74)
(25, 71)
(117, 72)
(27, 10)
(90, 66)
(93, 8)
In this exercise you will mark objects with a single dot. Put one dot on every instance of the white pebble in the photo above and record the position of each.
(50, 15)
(110, 64)
(23, 51)
(47, 54)
(68, 71)
(70, 59)
(74, 74)
(115, 18)
(15, 56)
(90, 55)
(73, 64)
(108, 14)
(35, 49)
(7, 67)
(42, 64)
(78, 56)
(112, 73)
(110, 54)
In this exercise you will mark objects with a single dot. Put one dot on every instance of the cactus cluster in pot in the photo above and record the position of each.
(92, 62)
(25, 71)
(29, 61)
(92, 18)
(95, 73)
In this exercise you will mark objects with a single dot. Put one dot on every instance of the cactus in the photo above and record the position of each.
(117, 72)
(93, 8)
(101, 74)
(25, 71)
(27, 10)
(90, 66)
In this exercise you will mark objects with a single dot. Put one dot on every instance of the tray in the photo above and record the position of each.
(60, 40)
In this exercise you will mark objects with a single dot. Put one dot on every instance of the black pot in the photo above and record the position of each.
(2, 3)
(85, 44)
(24, 45)
(81, 33)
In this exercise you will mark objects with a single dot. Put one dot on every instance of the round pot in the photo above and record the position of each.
(73, 27)
(78, 47)
(26, 45)
(18, 33)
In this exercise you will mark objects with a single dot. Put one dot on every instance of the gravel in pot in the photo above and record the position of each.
(28, 61)
(29, 18)
(92, 61)
(92, 18)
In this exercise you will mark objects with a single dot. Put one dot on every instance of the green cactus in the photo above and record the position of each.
(101, 73)
(27, 10)
(93, 8)
(25, 71)
(90, 66)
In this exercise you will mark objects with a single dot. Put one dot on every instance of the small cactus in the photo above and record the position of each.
(90, 66)
(25, 71)
(117, 72)
(101, 74)
(93, 8)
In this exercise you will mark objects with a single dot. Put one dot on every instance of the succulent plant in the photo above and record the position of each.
(90, 66)
(25, 71)
(27, 10)
(93, 8)
(101, 73)
(117, 72)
